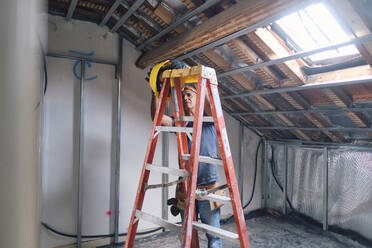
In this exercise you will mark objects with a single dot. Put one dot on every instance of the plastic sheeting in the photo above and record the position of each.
(349, 184)
(350, 190)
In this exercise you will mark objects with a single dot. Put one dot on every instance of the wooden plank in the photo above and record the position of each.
(344, 74)
(278, 51)
(164, 14)
(346, 12)
(239, 16)
(358, 92)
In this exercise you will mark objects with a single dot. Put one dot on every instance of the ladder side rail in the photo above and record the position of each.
(160, 108)
(183, 147)
(225, 151)
(193, 162)
(181, 137)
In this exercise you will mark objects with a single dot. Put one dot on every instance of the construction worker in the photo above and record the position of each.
(208, 211)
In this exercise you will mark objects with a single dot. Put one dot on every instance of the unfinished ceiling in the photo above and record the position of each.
(266, 81)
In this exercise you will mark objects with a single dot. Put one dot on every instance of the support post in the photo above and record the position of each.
(80, 165)
(325, 189)
(285, 179)
(22, 27)
(241, 161)
(265, 179)
(119, 69)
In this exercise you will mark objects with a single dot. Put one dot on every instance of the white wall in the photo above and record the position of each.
(59, 175)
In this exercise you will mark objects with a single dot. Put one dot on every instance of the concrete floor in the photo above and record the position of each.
(267, 231)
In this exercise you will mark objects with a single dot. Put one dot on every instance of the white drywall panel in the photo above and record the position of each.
(59, 197)
(59, 175)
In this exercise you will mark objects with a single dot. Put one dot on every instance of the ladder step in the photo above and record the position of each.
(204, 159)
(233, 237)
(170, 171)
(158, 221)
(191, 118)
(213, 197)
(174, 129)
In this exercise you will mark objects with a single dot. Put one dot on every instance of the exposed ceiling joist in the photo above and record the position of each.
(71, 9)
(127, 14)
(110, 12)
(237, 17)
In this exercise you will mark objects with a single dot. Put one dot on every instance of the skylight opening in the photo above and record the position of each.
(315, 27)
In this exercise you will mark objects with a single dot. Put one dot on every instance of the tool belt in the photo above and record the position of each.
(213, 204)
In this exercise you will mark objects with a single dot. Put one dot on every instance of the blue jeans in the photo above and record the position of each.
(212, 218)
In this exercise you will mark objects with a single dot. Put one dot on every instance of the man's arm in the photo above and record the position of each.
(166, 120)
(207, 105)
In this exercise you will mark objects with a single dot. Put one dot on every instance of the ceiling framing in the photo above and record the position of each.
(235, 38)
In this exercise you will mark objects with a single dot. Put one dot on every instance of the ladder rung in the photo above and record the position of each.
(170, 171)
(213, 197)
(204, 159)
(158, 221)
(174, 129)
(233, 237)
(191, 118)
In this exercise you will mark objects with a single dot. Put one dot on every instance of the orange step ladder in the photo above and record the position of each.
(206, 81)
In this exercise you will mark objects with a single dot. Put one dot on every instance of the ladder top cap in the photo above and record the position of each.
(192, 72)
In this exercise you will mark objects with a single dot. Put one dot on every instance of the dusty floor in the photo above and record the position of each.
(266, 231)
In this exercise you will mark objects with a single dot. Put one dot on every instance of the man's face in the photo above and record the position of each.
(189, 99)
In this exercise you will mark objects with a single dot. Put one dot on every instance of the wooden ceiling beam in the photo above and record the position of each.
(358, 92)
(249, 57)
(241, 15)
(347, 14)
(344, 74)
